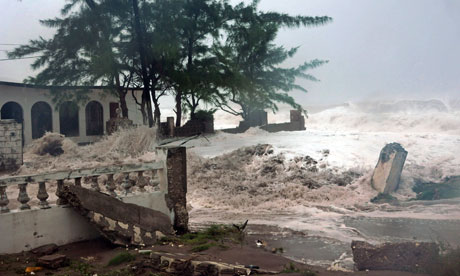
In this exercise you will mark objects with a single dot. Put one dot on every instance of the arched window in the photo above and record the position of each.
(12, 110)
(68, 119)
(41, 119)
(94, 119)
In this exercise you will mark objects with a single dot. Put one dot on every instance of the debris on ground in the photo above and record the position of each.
(53, 261)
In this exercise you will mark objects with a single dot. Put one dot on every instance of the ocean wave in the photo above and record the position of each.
(431, 116)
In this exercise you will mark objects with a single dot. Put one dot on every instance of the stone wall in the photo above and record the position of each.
(297, 123)
(191, 128)
(10, 145)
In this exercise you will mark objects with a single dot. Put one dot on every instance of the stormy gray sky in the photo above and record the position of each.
(377, 49)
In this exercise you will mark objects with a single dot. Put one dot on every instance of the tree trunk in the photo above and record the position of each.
(178, 108)
(123, 106)
(122, 97)
(145, 79)
(192, 111)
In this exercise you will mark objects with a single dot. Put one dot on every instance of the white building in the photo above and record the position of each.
(32, 106)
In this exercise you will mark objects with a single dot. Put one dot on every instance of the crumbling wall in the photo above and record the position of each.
(10, 145)
(297, 123)
(194, 127)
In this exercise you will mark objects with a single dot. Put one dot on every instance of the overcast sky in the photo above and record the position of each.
(377, 49)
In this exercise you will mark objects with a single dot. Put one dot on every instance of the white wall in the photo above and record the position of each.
(26, 230)
(26, 97)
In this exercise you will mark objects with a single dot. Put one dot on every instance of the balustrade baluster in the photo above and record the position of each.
(126, 185)
(42, 195)
(78, 181)
(3, 200)
(59, 191)
(23, 197)
(95, 184)
(110, 185)
(141, 181)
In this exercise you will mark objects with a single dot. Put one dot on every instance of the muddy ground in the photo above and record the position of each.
(91, 258)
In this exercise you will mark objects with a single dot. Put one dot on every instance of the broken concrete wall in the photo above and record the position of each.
(22, 231)
(10, 145)
(122, 223)
(387, 173)
(297, 123)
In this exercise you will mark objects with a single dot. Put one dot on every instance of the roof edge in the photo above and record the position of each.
(18, 84)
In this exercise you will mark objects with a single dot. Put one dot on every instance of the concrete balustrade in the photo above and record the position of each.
(30, 220)
(94, 174)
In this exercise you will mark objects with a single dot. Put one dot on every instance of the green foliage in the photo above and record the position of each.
(205, 115)
(384, 198)
(202, 51)
(291, 268)
(203, 247)
(449, 188)
(123, 257)
(251, 61)
(83, 268)
(215, 235)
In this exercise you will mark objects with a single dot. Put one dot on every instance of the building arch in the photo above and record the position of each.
(42, 119)
(94, 119)
(12, 110)
(68, 119)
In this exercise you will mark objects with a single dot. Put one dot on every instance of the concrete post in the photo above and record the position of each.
(176, 163)
(170, 122)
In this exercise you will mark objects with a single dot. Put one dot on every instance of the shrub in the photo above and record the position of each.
(123, 257)
(205, 115)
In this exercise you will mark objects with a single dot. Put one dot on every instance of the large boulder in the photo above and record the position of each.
(387, 173)
(406, 256)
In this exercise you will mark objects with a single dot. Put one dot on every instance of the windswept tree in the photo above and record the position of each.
(89, 48)
(254, 78)
(195, 79)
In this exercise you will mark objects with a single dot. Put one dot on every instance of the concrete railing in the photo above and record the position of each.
(76, 176)
(37, 222)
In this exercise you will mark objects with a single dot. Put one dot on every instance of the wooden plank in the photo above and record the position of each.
(72, 174)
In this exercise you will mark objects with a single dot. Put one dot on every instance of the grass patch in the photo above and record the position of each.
(83, 268)
(291, 268)
(203, 247)
(449, 188)
(384, 198)
(215, 235)
(123, 257)
(212, 236)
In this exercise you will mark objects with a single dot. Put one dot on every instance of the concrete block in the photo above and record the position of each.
(406, 256)
(387, 173)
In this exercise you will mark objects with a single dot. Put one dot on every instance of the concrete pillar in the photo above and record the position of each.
(170, 123)
(176, 163)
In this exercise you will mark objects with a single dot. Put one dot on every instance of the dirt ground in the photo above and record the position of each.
(91, 258)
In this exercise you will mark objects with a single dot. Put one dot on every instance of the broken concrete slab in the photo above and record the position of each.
(46, 249)
(406, 256)
(387, 173)
(53, 261)
(121, 223)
